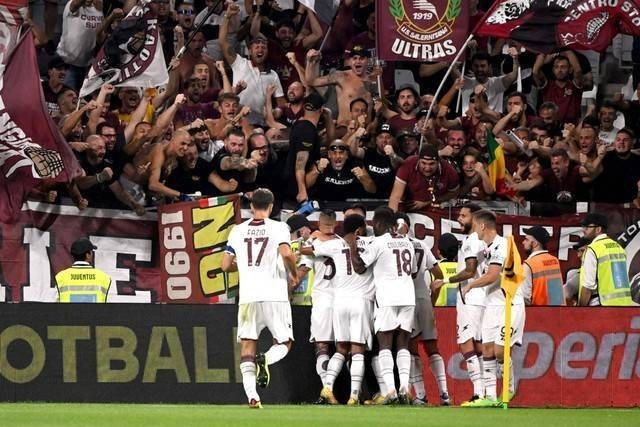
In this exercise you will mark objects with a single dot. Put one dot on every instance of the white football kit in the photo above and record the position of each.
(264, 299)
(393, 262)
(351, 293)
(493, 321)
(469, 313)
(321, 329)
(424, 320)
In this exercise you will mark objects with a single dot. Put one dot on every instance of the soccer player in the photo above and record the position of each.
(424, 328)
(352, 308)
(470, 309)
(392, 259)
(484, 224)
(321, 333)
(259, 249)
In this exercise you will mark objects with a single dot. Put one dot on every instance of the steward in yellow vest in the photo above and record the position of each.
(448, 251)
(604, 277)
(82, 282)
(300, 232)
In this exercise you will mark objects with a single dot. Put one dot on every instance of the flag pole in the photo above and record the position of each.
(326, 35)
(464, 67)
(506, 374)
(442, 82)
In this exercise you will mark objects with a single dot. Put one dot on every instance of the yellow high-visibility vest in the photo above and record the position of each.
(612, 278)
(82, 283)
(448, 292)
(302, 294)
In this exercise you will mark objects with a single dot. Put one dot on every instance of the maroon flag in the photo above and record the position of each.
(12, 16)
(421, 30)
(544, 25)
(31, 147)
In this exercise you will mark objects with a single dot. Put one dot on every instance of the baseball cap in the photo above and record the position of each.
(359, 50)
(405, 133)
(385, 128)
(296, 222)
(82, 246)
(581, 243)
(410, 87)
(429, 152)
(595, 218)
(422, 113)
(313, 102)
(539, 233)
(56, 62)
(258, 38)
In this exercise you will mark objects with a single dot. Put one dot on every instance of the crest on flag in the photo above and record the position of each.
(131, 56)
(422, 30)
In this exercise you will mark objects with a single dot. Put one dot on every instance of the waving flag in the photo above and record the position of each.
(544, 25)
(12, 16)
(31, 146)
(325, 9)
(497, 167)
(131, 56)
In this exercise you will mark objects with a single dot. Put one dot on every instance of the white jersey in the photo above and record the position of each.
(473, 247)
(496, 254)
(425, 261)
(255, 244)
(346, 282)
(79, 32)
(323, 272)
(393, 261)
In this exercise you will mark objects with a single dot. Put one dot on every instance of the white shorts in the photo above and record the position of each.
(469, 322)
(493, 324)
(352, 321)
(253, 317)
(321, 320)
(424, 321)
(390, 318)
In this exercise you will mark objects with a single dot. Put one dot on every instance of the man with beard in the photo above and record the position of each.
(129, 100)
(193, 56)
(470, 309)
(380, 162)
(253, 71)
(454, 150)
(231, 170)
(495, 86)
(405, 118)
(542, 275)
(350, 84)
(194, 109)
(285, 42)
(424, 180)
(100, 185)
(338, 177)
(564, 181)
(230, 117)
(408, 143)
(619, 172)
(54, 85)
(607, 115)
(565, 89)
(293, 110)
(191, 174)
(268, 175)
(206, 147)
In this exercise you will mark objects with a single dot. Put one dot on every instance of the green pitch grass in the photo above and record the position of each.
(158, 415)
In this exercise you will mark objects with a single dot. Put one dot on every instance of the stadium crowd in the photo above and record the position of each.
(254, 102)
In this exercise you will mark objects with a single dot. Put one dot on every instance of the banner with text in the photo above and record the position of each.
(571, 356)
(192, 237)
(421, 30)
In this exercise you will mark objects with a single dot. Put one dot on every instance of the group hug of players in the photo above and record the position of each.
(372, 293)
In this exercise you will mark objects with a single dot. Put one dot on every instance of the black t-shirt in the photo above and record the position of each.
(381, 171)
(227, 175)
(99, 195)
(618, 181)
(339, 185)
(268, 174)
(51, 99)
(189, 181)
(304, 137)
(117, 156)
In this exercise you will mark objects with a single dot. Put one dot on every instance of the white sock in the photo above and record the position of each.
(276, 353)
(490, 367)
(333, 369)
(322, 360)
(436, 363)
(475, 374)
(248, 370)
(385, 358)
(375, 364)
(416, 379)
(357, 372)
(403, 360)
(512, 388)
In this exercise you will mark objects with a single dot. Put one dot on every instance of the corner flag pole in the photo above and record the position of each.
(506, 374)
